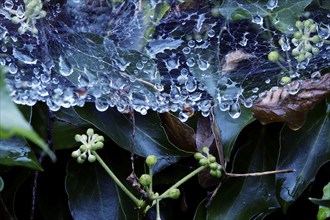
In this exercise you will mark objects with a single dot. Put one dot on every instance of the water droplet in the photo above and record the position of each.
(191, 43)
(323, 31)
(159, 87)
(182, 79)
(257, 19)
(65, 67)
(190, 62)
(184, 72)
(248, 103)
(293, 87)
(316, 76)
(20, 11)
(8, 4)
(172, 64)
(12, 68)
(183, 117)
(186, 50)
(285, 43)
(234, 110)
(191, 84)
(211, 33)
(203, 64)
(255, 90)
(175, 94)
(23, 57)
(267, 81)
(303, 64)
(271, 4)
(101, 104)
(139, 65)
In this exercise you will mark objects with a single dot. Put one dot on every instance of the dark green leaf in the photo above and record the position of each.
(12, 121)
(92, 193)
(321, 202)
(2, 184)
(149, 138)
(244, 197)
(305, 151)
(201, 213)
(15, 151)
(230, 128)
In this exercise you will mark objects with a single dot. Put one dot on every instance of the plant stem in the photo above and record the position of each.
(183, 180)
(137, 201)
(150, 186)
(157, 210)
(259, 173)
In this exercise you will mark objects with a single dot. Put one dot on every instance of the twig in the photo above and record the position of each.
(260, 173)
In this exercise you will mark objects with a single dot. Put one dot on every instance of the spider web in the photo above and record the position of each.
(150, 55)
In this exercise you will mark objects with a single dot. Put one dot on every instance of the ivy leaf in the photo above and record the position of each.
(15, 151)
(230, 128)
(13, 122)
(92, 193)
(149, 136)
(244, 197)
(283, 16)
(304, 150)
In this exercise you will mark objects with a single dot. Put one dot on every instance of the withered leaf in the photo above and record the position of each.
(280, 106)
(204, 134)
(178, 133)
(232, 59)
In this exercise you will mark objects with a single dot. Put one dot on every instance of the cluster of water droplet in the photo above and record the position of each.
(183, 74)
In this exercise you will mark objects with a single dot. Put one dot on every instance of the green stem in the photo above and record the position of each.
(157, 210)
(137, 201)
(183, 180)
(150, 186)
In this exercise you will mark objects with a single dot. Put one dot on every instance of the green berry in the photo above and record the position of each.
(84, 137)
(312, 28)
(295, 41)
(308, 23)
(308, 55)
(145, 179)
(219, 167)
(213, 166)
(198, 156)
(76, 153)
(83, 148)
(215, 12)
(218, 174)
(151, 160)
(77, 137)
(80, 160)
(285, 80)
(273, 56)
(301, 58)
(203, 162)
(91, 158)
(308, 47)
(205, 150)
(90, 132)
(42, 13)
(298, 35)
(174, 193)
(212, 159)
(315, 50)
(299, 24)
(100, 138)
(280, 41)
(15, 20)
(316, 39)
(34, 30)
(213, 172)
(295, 52)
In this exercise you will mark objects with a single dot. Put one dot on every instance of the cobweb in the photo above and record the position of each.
(150, 55)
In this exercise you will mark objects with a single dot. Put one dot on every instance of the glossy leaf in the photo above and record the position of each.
(244, 197)
(92, 193)
(321, 202)
(15, 151)
(13, 122)
(2, 184)
(149, 138)
(305, 151)
(200, 213)
(283, 16)
(230, 128)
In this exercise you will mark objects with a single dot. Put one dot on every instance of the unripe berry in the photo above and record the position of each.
(76, 153)
(83, 148)
(212, 159)
(174, 193)
(219, 173)
(299, 24)
(205, 150)
(203, 162)
(213, 166)
(312, 28)
(308, 23)
(90, 131)
(145, 179)
(98, 145)
(215, 12)
(298, 35)
(295, 52)
(83, 156)
(308, 47)
(91, 158)
(42, 13)
(315, 50)
(15, 20)
(100, 138)
(77, 137)
(198, 156)
(80, 160)
(285, 80)
(151, 160)
(301, 57)
(213, 173)
(316, 39)
(273, 56)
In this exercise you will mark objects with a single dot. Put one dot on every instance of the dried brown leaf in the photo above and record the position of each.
(178, 133)
(232, 59)
(280, 106)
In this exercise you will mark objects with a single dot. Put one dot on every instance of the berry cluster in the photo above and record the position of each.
(209, 160)
(27, 16)
(90, 142)
(305, 39)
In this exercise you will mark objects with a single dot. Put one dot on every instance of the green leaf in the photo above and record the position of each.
(305, 151)
(321, 202)
(92, 193)
(149, 138)
(12, 121)
(15, 151)
(200, 213)
(231, 128)
(283, 16)
(244, 197)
